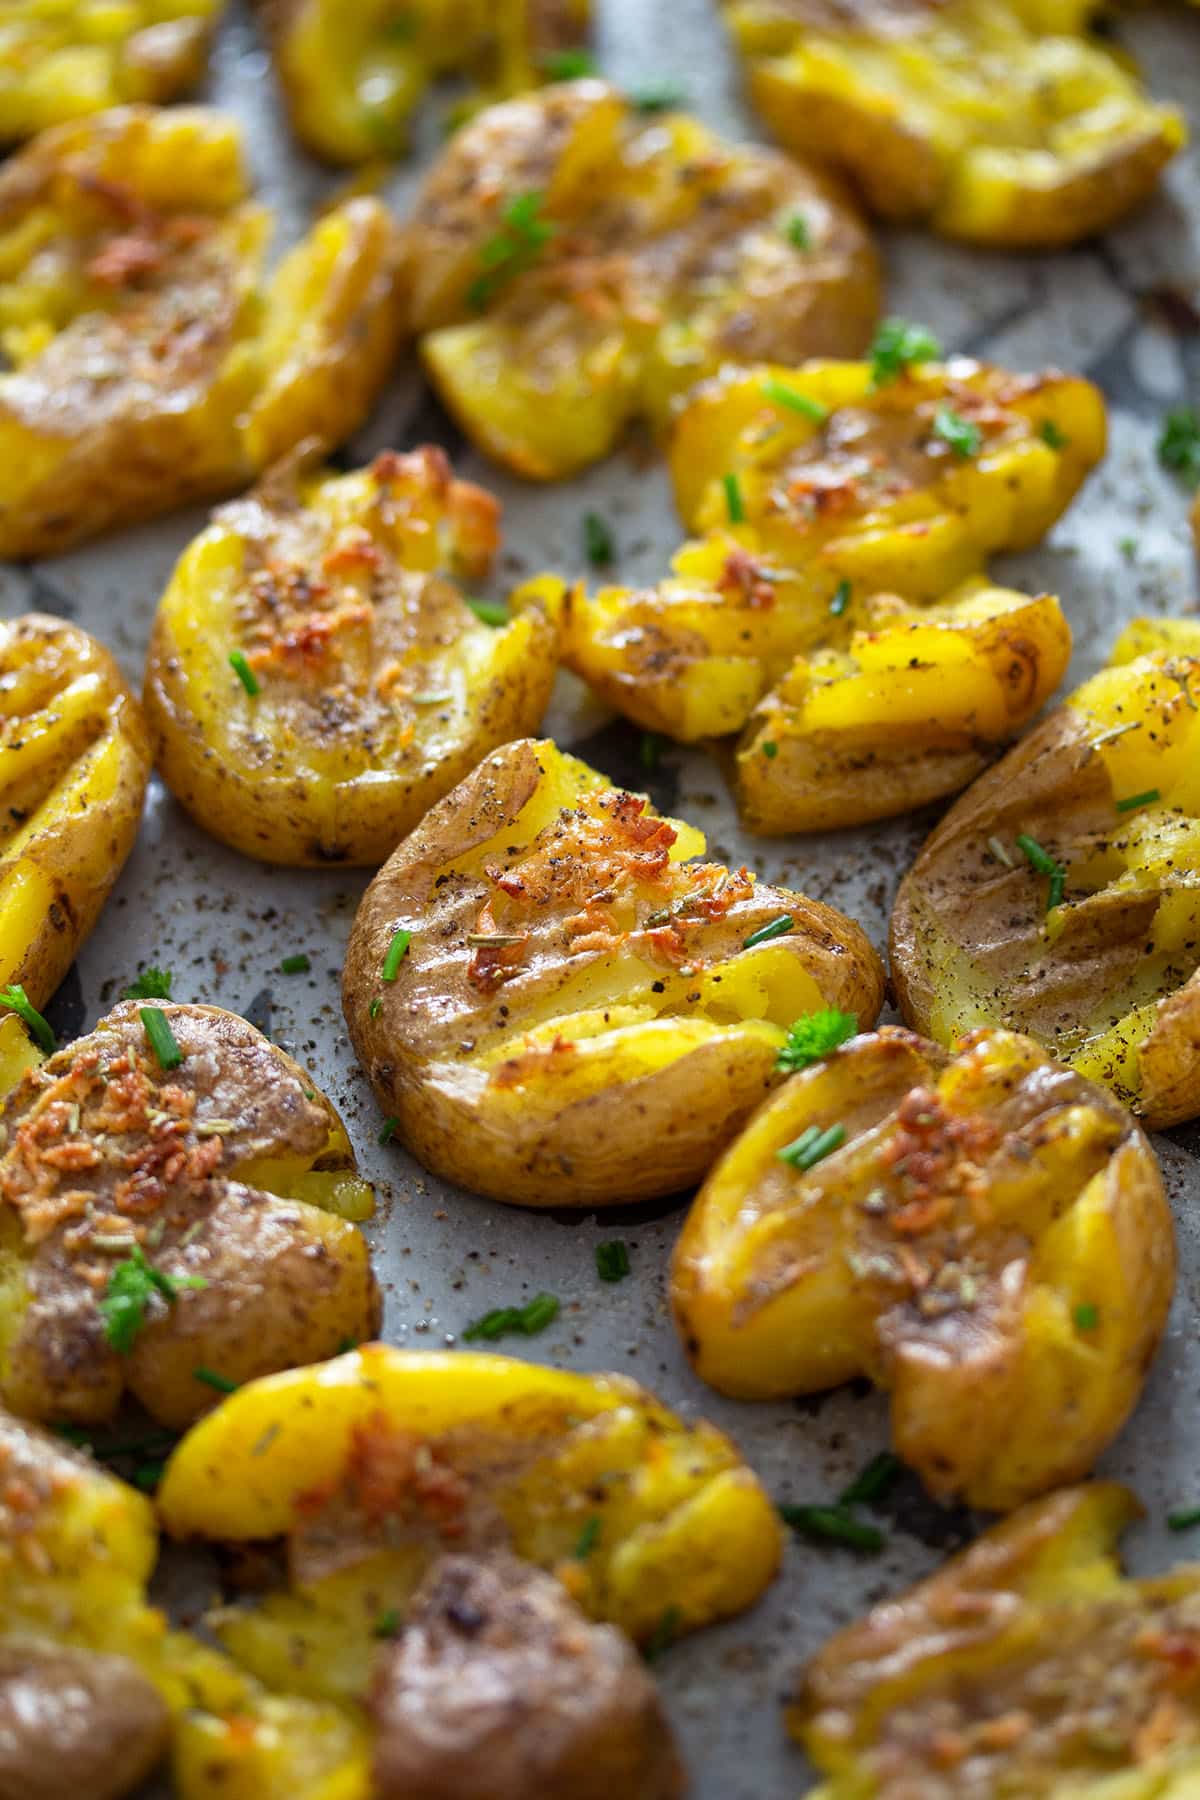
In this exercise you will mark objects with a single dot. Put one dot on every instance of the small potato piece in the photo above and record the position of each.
(575, 266)
(852, 512)
(330, 586)
(75, 1723)
(1105, 790)
(379, 1462)
(999, 122)
(61, 59)
(352, 76)
(989, 1232)
(76, 759)
(581, 1016)
(148, 362)
(224, 1176)
(1028, 1665)
(498, 1685)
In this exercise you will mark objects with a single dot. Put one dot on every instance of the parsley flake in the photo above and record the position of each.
(612, 1260)
(814, 1036)
(491, 612)
(797, 233)
(387, 1625)
(658, 96)
(568, 65)
(1179, 443)
(841, 599)
(598, 543)
(1087, 1316)
(959, 434)
(295, 965)
(151, 984)
(1051, 436)
(770, 750)
(897, 345)
(387, 1130)
(514, 249)
(1184, 1519)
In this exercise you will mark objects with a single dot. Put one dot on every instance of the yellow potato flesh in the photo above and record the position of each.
(993, 122)
(788, 1282)
(1030, 1658)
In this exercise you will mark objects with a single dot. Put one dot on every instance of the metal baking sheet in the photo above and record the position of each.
(1123, 311)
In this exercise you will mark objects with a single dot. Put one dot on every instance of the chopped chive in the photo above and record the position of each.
(658, 96)
(387, 1130)
(1087, 1316)
(650, 750)
(1050, 435)
(663, 1635)
(1128, 547)
(733, 499)
(375, 1008)
(397, 950)
(295, 965)
(151, 984)
(491, 612)
(797, 233)
(897, 345)
(1184, 1519)
(612, 1260)
(525, 1321)
(814, 1036)
(1001, 855)
(812, 1147)
(162, 1039)
(833, 1526)
(15, 999)
(130, 1288)
(873, 1482)
(567, 65)
(244, 672)
(841, 599)
(587, 1540)
(1044, 864)
(799, 403)
(770, 750)
(387, 1624)
(1149, 798)
(775, 928)
(963, 436)
(514, 249)
(598, 542)
(148, 1475)
(345, 1345)
(211, 1379)
(1179, 443)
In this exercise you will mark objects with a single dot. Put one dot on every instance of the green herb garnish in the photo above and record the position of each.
(588, 1538)
(658, 96)
(782, 395)
(1184, 1519)
(1050, 435)
(1087, 1316)
(211, 1379)
(491, 612)
(598, 541)
(962, 436)
(525, 1321)
(612, 1260)
(567, 65)
(375, 1008)
(151, 984)
(130, 1288)
(1044, 863)
(733, 499)
(663, 1635)
(770, 750)
(797, 233)
(387, 1130)
(841, 599)
(397, 950)
(514, 249)
(814, 1036)
(897, 345)
(162, 1039)
(17, 1000)
(650, 749)
(387, 1624)
(1149, 798)
(295, 965)
(812, 1146)
(833, 1526)
(1179, 443)
(775, 928)
(244, 672)
(873, 1482)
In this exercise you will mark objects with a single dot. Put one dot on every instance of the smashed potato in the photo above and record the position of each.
(375, 1465)
(576, 265)
(995, 121)
(76, 759)
(147, 361)
(1059, 897)
(1028, 1665)
(558, 1008)
(170, 1192)
(351, 77)
(60, 59)
(367, 687)
(984, 1230)
(834, 605)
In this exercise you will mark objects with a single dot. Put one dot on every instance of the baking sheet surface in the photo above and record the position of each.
(1122, 311)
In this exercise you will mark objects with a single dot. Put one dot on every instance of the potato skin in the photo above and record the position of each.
(77, 759)
(1106, 980)
(155, 366)
(661, 254)
(75, 1723)
(589, 1075)
(334, 585)
(991, 123)
(945, 1250)
(235, 1156)
(473, 1453)
(1026, 1665)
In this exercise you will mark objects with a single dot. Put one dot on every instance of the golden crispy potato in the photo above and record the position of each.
(1058, 896)
(148, 363)
(76, 762)
(375, 686)
(351, 77)
(77, 1549)
(576, 265)
(581, 1016)
(1028, 1666)
(834, 605)
(996, 121)
(376, 1464)
(161, 1222)
(60, 59)
(987, 1230)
